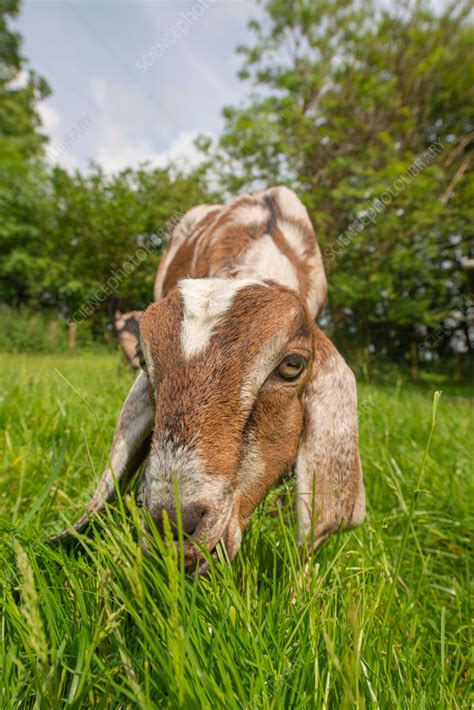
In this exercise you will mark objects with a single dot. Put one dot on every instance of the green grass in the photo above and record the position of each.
(380, 619)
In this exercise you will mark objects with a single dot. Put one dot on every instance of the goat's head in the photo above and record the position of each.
(238, 385)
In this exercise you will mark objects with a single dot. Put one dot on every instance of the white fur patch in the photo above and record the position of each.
(205, 301)
(173, 470)
(170, 466)
(318, 289)
(246, 213)
(180, 234)
(289, 203)
(295, 237)
(263, 260)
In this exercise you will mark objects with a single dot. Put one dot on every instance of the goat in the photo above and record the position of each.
(239, 384)
(126, 326)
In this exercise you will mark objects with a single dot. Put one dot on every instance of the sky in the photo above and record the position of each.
(134, 80)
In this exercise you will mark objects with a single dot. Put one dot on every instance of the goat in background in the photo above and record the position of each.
(127, 329)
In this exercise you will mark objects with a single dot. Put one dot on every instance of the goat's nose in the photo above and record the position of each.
(190, 517)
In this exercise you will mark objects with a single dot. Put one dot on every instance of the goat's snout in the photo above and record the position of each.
(191, 517)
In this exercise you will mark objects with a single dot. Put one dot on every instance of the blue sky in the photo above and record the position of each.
(97, 56)
(148, 75)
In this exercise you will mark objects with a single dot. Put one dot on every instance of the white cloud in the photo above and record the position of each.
(127, 105)
(131, 129)
(64, 141)
(183, 151)
(117, 152)
(50, 118)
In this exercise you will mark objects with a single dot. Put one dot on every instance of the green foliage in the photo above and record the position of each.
(22, 177)
(23, 330)
(109, 228)
(19, 121)
(380, 618)
(350, 97)
(90, 229)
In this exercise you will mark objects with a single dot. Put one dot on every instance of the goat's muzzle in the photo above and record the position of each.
(203, 526)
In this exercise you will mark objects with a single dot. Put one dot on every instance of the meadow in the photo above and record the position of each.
(379, 619)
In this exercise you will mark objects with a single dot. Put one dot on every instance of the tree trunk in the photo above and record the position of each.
(414, 361)
(53, 333)
(71, 335)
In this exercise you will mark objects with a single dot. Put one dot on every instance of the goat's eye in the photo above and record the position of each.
(291, 367)
(141, 358)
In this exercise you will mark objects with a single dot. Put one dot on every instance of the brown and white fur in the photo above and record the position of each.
(236, 294)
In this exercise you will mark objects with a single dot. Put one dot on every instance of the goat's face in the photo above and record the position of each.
(227, 362)
(240, 385)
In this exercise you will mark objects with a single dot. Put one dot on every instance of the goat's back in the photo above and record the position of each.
(266, 236)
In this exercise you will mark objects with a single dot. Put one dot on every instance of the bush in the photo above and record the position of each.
(26, 330)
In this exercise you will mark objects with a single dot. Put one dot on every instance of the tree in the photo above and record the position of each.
(23, 178)
(365, 112)
(109, 232)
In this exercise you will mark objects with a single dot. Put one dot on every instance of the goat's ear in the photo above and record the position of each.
(330, 489)
(130, 447)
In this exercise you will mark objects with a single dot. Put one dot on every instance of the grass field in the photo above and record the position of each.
(380, 619)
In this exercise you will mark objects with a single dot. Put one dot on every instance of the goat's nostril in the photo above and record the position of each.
(190, 518)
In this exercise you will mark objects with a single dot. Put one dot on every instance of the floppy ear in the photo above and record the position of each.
(330, 489)
(130, 446)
